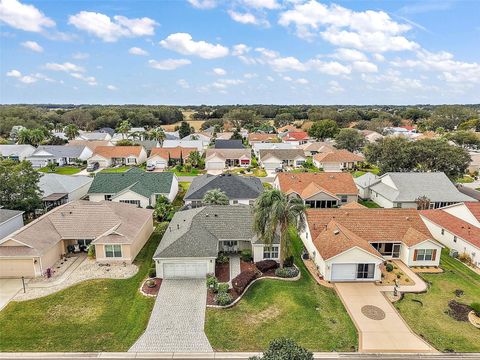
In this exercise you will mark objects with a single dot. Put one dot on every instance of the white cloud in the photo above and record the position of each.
(334, 87)
(250, 75)
(271, 79)
(329, 67)
(365, 66)
(222, 84)
(137, 51)
(203, 4)
(279, 63)
(80, 56)
(24, 17)
(262, 4)
(27, 79)
(287, 78)
(183, 83)
(43, 77)
(349, 55)
(66, 67)
(240, 49)
(168, 64)
(302, 81)
(184, 44)
(14, 73)
(219, 71)
(379, 57)
(32, 45)
(247, 18)
(90, 80)
(112, 87)
(111, 29)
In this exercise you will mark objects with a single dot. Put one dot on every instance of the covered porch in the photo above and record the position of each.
(389, 250)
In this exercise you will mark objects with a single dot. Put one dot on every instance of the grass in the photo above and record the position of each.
(258, 172)
(465, 179)
(430, 320)
(369, 204)
(182, 190)
(193, 172)
(116, 170)
(357, 173)
(304, 311)
(309, 170)
(62, 170)
(95, 315)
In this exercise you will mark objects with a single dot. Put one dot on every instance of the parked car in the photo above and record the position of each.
(150, 167)
(93, 166)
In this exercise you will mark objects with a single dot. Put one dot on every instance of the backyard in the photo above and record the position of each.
(427, 314)
(62, 170)
(97, 315)
(369, 204)
(116, 169)
(304, 311)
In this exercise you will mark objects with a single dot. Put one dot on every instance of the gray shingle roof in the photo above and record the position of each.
(281, 154)
(6, 214)
(60, 151)
(366, 180)
(236, 187)
(229, 144)
(55, 183)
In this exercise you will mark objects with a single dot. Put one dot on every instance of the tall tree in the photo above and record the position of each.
(215, 197)
(124, 128)
(71, 131)
(184, 129)
(195, 159)
(158, 135)
(323, 129)
(349, 139)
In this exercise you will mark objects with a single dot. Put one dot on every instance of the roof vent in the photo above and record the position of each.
(178, 226)
(216, 215)
(336, 232)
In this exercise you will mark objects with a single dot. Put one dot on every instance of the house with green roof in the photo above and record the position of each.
(134, 186)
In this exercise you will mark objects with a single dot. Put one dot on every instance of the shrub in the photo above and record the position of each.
(246, 255)
(286, 272)
(266, 265)
(389, 267)
(288, 262)
(222, 259)
(284, 349)
(399, 276)
(223, 298)
(241, 281)
(150, 283)
(212, 283)
(152, 272)
(476, 308)
(222, 287)
(91, 252)
(465, 258)
(179, 167)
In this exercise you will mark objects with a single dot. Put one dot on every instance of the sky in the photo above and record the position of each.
(196, 52)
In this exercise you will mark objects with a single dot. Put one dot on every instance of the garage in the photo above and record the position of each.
(344, 272)
(215, 165)
(15, 268)
(185, 270)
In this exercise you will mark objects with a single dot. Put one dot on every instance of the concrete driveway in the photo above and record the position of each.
(177, 320)
(8, 289)
(381, 328)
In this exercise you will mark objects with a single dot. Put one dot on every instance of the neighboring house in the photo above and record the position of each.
(133, 186)
(457, 227)
(60, 155)
(194, 238)
(371, 136)
(319, 190)
(118, 232)
(172, 135)
(351, 244)
(314, 148)
(401, 190)
(160, 157)
(10, 221)
(59, 189)
(198, 144)
(228, 144)
(277, 158)
(474, 165)
(118, 155)
(337, 160)
(364, 182)
(148, 145)
(92, 144)
(134, 134)
(400, 131)
(239, 189)
(219, 159)
(296, 137)
(254, 138)
(107, 130)
(224, 135)
(16, 152)
(93, 136)
(286, 128)
(475, 194)
(204, 137)
(271, 146)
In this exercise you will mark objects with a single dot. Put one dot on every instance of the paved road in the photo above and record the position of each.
(177, 319)
(8, 289)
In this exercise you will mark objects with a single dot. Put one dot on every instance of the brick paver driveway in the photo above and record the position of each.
(177, 320)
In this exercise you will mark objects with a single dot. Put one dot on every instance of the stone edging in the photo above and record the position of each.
(141, 289)
(254, 281)
(471, 316)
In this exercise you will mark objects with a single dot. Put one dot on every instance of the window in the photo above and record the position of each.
(134, 202)
(113, 251)
(270, 252)
(365, 271)
(344, 198)
(424, 255)
(234, 202)
(131, 160)
(443, 231)
(454, 238)
(196, 203)
(108, 197)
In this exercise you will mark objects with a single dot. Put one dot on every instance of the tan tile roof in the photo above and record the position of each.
(281, 154)
(287, 128)
(318, 146)
(109, 152)
(229, 153)
(474, 208)
(174, 152)
(92, 145)
(334, 183)
(261, 137)
(353, 205)
(338, 156)
(296, 135)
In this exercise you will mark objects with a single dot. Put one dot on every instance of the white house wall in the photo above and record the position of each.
(80, 192)
(462, 212)
(407, 256)
(173, 189)
(130, 195)
(353, 256)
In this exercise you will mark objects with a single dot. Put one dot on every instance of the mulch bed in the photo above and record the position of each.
(154, 290)
(222, 272)
(458, 311)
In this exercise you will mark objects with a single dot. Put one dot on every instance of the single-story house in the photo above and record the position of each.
(262, 138)
(351, 244)
(160, 157)
(10, 221)
(256, 147)
(337, 160)
(93, 136)
(172, 135)
(148, 145)
(277, 158)
(287, 128)
(118, 155)
(363, 184)
(296, 137)
(474, 194)
(92, 144)
(239, 189)
(194, 238)
(205, 137)
(134, 186)
(402, 190)
(198, 144)
(316, 147)
(319, 190)
(371, 136)
(59, 189)
(228, 144)
(219, 159)
(457, 227)
(16, 152)
(227, 135)
(60, 155)
(118, 232)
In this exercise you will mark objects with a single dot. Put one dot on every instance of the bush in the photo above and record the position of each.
(223, 298)
(288, 262)
(212, 283)
(284, 349)
(476, 308)
(242, 280)
(179, 167)
(389, 267)
(266, 265)
(222, 259)
(150, 283)
(246, 255)
(152, 272)
(286, 272)
(91, 251)
(222, 287)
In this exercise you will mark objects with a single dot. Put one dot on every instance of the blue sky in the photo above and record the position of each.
(240, 52)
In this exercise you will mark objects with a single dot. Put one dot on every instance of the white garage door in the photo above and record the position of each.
(184, 270)
(344, 272)
(211, 165)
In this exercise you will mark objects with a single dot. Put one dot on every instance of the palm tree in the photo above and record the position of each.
(215, 197)
(71, 131)
(273, 212)
(124, 128)
(195, 158)
(158, 135)
(36, 136)
(23, 136)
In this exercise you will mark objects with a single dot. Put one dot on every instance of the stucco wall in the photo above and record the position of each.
(407, 256)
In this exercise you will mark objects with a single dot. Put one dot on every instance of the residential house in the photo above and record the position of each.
(148, 145)
(254, 138)
(239, 189)
(271, 146)
(118, 155)
(60, 155)
(363, 184)
(198, 144)
(16, 152)
(337, 160)
(229, 144)
(227, 135)
(194, 238)
(172, 135)
(162, 158)
(402, 190)
(313, 148)
(351, 244)
(287, 128)
(371, 136)
(94, 136)
(91, 144)
(474, 194)
(134, 186)
(134, 134)
(319, 190)
(457, 227)
(117, 231)
(59, 189)
(204, 138)
(219, 159)
(10, 221)
(296, 137)
(278, 158)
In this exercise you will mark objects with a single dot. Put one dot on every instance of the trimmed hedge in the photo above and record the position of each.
(241, 281)
(286, 272)
(223, 298)
(266, 265)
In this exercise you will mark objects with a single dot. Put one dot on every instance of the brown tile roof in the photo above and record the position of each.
(92, 145)
(338, 156)
(353, 205)
(287, 128)
(474, 208)
(261, 137)
(334, 183)
(296, 135)
(174, 152)
(118, 151)
(318, 146)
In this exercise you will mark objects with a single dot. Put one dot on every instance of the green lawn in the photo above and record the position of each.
(115, 170)
(193, 172)
(430, 320)
(369, 204)
(309, 170)
(96, 315)
(465, 179)
(182, 190)
(62, 170)
(304, 311)
(357, 173)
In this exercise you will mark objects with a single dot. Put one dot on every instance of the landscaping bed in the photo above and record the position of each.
(149, 290)
(222, 272)
(396, 274)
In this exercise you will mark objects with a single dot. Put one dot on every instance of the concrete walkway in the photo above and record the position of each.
(418, 285)
(234, 267)
(8, 289)
(177, 320)
(381, 328)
